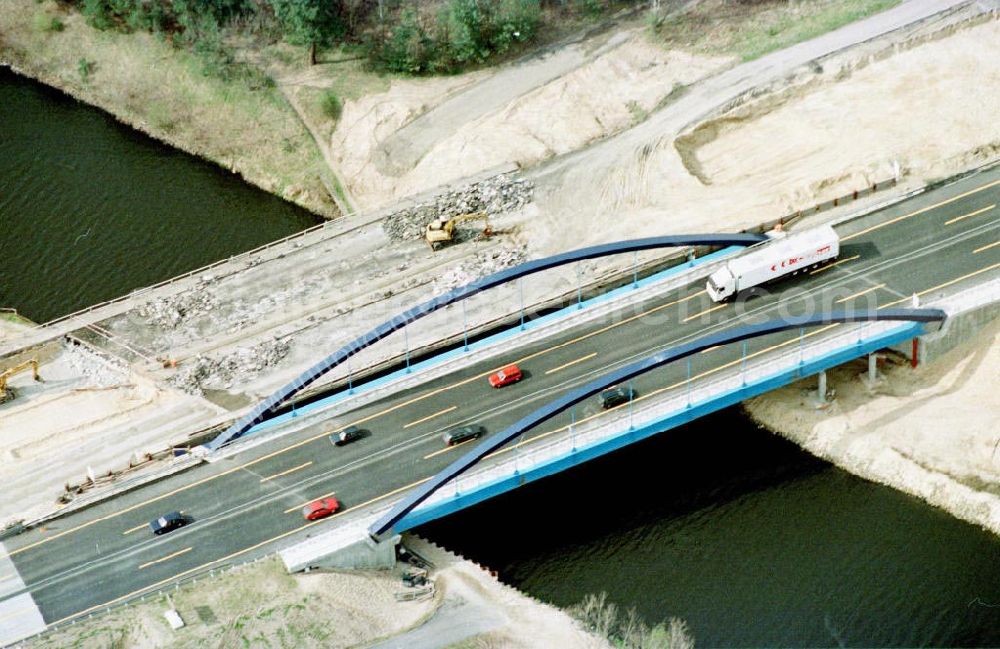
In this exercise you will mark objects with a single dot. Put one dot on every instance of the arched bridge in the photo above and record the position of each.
(384, 526)
(262, 410)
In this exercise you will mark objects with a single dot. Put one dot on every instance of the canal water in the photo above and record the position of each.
(91, 209)
(750, 540)
(746, 537)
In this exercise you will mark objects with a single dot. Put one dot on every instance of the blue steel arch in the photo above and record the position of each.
(384, 525)
(261, 410)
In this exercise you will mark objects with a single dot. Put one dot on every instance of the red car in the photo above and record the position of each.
(506, 376)
(320, 508)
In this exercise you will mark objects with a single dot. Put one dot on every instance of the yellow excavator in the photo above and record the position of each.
(441, 230)
(6, 394)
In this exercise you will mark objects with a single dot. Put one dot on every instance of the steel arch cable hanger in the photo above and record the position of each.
(384, 525)
(261, 411)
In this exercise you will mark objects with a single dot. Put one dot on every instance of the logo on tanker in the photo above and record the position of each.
(788, 263)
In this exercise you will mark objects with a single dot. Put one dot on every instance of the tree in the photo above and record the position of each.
(308, 22)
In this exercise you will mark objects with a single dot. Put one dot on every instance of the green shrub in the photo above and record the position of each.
(331, 106)
(43, 22)
(407, 47)
(85, 68)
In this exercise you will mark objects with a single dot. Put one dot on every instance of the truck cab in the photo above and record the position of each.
(721, 284)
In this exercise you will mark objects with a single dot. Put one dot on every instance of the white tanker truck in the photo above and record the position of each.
(784, 254)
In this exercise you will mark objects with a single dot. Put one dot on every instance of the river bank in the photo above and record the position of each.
(931, 432)
(244, 126)
(261, 604)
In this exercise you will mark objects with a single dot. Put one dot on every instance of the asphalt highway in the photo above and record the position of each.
(248, 505)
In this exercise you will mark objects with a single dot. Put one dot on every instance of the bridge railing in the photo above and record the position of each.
(979, 295)
(642, 414)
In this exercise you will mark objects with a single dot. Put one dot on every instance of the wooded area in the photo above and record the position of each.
(429, 37)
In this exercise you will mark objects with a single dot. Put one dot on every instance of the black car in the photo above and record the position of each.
(168, 523)
(616, 396)
(459, 435)
(348, 435)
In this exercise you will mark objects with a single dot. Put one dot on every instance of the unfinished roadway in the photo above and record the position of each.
(249, 503)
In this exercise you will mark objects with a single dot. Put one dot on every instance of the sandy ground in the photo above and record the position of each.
(479, 611)
(647, 181)
(87, 413)
(334, 289)
(549, 105)
(932, 432)
(260, 604)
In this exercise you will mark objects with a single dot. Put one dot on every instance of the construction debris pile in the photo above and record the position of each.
(171, 311)
(496, 195)
(482, 264)
(221, 373)
(97, 370)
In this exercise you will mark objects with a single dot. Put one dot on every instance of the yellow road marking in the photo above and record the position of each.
(948, 283)
(710, 349)
(565, 365)
(965, 216)
(921, 210)
(358, 422)
(429, 417)
(179, 575)
(714, 308)
(293, 469)
(836, 263)
(166, 558)
(448, 448)
(454, 385)
(859, 293)
(297, 507)
(986, 247)
(659, 391)
(135, 529)
(139, 527)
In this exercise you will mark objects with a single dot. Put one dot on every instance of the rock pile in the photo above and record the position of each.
(170, 312)
(221, 373)
(475, 267)
(97, 371)
(496, 195)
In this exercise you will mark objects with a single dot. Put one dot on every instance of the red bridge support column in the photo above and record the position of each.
(913, 354)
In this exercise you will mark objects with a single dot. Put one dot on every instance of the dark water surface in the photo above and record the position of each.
(749, 539)
(91, 209)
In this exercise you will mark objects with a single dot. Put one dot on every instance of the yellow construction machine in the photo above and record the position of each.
(6, 394)
(441, 230)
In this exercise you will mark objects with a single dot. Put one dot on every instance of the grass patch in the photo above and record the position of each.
(217, 103)
(331, 106)
(751, 30)
(15, 317)
(45, 23)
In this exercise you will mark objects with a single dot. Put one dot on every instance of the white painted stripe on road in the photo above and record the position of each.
(19, 615)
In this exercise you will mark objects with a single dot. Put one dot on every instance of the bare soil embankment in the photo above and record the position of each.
(244, 126)
(260, 604)
(932, 432)
(917, 101)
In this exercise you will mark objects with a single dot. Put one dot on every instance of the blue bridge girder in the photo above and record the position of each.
(384, 526)
(261, 411)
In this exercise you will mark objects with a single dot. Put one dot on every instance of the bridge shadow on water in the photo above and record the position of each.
(750, 539)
